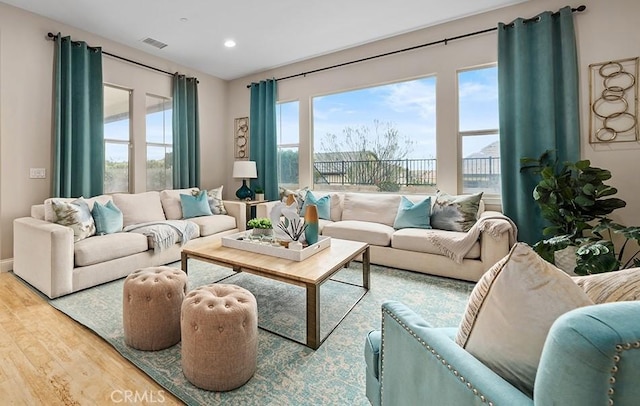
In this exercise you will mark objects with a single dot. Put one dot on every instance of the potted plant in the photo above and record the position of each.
(259, 191)
(574, 199)
(261, 226)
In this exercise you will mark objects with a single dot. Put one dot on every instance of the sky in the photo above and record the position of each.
(410, 107)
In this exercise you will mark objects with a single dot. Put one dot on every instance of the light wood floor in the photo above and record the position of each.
(46, 358)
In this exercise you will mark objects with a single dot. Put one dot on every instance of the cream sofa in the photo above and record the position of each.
(369, 217)
(46, 256)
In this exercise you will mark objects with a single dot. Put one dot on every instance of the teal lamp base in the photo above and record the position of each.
(244, 193)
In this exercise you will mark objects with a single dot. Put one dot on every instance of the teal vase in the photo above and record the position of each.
(311, 220)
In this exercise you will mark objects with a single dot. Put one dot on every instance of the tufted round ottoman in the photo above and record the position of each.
(151, 307)
(219, 336)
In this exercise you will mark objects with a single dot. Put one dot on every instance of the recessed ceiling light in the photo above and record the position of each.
(229, 43)
(184, 19)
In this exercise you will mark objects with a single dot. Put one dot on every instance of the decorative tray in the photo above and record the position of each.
(241, 241)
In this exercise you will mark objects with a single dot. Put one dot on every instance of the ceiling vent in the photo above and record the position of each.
(154, 43)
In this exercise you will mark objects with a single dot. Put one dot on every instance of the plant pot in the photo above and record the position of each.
(565, 259)
(262, 231)
(259, 196)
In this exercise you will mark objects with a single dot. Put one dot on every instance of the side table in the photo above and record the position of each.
(251, 207)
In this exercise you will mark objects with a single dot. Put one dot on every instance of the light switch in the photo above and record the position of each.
(37, 173)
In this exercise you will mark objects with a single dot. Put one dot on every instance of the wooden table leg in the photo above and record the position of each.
(184, 262)
(366, 278)
(313, 316)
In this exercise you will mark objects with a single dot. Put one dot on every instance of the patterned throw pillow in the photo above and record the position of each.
(215, 201)
(298, 194)
(455, 213)
(195, 206)
(511, 310)
(608, 287)
(413, 215)
(76, 215)
(108, 218)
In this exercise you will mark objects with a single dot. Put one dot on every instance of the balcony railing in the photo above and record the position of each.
(476, 172)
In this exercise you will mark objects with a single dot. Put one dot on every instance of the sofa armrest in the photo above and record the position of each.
(592, 357)
(238, 210)
(264, 209)
(43, 255)
(494, 247)
(422, 365)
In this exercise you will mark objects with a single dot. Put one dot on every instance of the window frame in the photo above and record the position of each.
(157, 144)
(128, 143)
(280, 147)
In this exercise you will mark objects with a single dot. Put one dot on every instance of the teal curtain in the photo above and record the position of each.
(263, 138)
(78, 120)
(186, 133)
(538, 99)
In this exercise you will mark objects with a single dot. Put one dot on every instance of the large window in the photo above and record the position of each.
(478, 130)
(117, 136)
(288, 131)
(159, 143)
(380, 138)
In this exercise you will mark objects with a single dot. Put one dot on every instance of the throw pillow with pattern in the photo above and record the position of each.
(75, 215)
(299, 194)
(455, 213)
(215, 201)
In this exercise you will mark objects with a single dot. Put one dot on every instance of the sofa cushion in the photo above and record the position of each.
(455, 213)
(48, 210)
(416, 239)
(75, 215)
(170, 200)
(210, 225)
(108, 218)
(139, 207)
(413, 215)
(365, 231)
(511, 310)
(106, 247)
(323, 204)
(195, 205)
(216, 204)
(615, 286)
(375, 208)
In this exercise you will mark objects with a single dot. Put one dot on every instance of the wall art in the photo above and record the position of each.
(241, 138)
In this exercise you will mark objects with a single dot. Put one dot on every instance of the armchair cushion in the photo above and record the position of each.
(511, 310)
(615, 286)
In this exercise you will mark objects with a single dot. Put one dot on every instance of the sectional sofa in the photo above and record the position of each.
(48, 258)
(369, 217)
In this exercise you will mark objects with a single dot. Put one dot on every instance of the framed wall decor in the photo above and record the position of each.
(613, 97)
(241, 138)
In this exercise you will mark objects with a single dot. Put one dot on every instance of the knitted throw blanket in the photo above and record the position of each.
(456, 247)
(166, 233)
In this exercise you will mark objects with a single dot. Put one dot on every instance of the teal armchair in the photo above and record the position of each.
(590, 357)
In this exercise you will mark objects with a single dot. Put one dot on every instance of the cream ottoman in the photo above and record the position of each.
(219, 336)
(151, 307)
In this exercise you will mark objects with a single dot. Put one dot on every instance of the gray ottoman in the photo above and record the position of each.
(219, 336)
(152, 298)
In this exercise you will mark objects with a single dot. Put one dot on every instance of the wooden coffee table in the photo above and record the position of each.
(310, 273)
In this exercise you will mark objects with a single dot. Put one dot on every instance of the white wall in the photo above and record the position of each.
(26, 85)
(605, 31)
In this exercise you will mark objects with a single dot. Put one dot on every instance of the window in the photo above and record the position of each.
(381, 138)
(159, 118)
(288, 132)
(117, 136)
(478, 130)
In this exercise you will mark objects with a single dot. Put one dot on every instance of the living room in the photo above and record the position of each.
(605, 31)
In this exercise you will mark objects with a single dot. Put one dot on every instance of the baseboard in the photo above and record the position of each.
(6, 265)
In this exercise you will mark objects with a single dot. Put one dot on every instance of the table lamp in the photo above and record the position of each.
(244, 170)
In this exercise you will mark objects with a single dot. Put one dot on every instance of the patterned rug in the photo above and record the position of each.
(288, 372)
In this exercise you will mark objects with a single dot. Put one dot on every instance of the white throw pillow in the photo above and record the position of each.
(511, 310)
(139, 207)
(608, 287)
(170, 199)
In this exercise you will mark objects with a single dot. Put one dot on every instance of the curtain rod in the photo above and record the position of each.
(442, 41)
(55, 37)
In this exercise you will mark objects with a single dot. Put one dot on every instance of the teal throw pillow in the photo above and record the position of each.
(108, 218)
(455, 213)
(413, 215)
(195, 206)
(323, 204)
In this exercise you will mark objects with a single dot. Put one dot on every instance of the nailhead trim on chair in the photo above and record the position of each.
(616, 359)
(469, 385)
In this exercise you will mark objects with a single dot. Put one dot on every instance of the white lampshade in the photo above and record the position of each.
(245, 170)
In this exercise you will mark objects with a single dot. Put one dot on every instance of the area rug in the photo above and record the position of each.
(288, 372)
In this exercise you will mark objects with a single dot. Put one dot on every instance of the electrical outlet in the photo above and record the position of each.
(37, 173)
